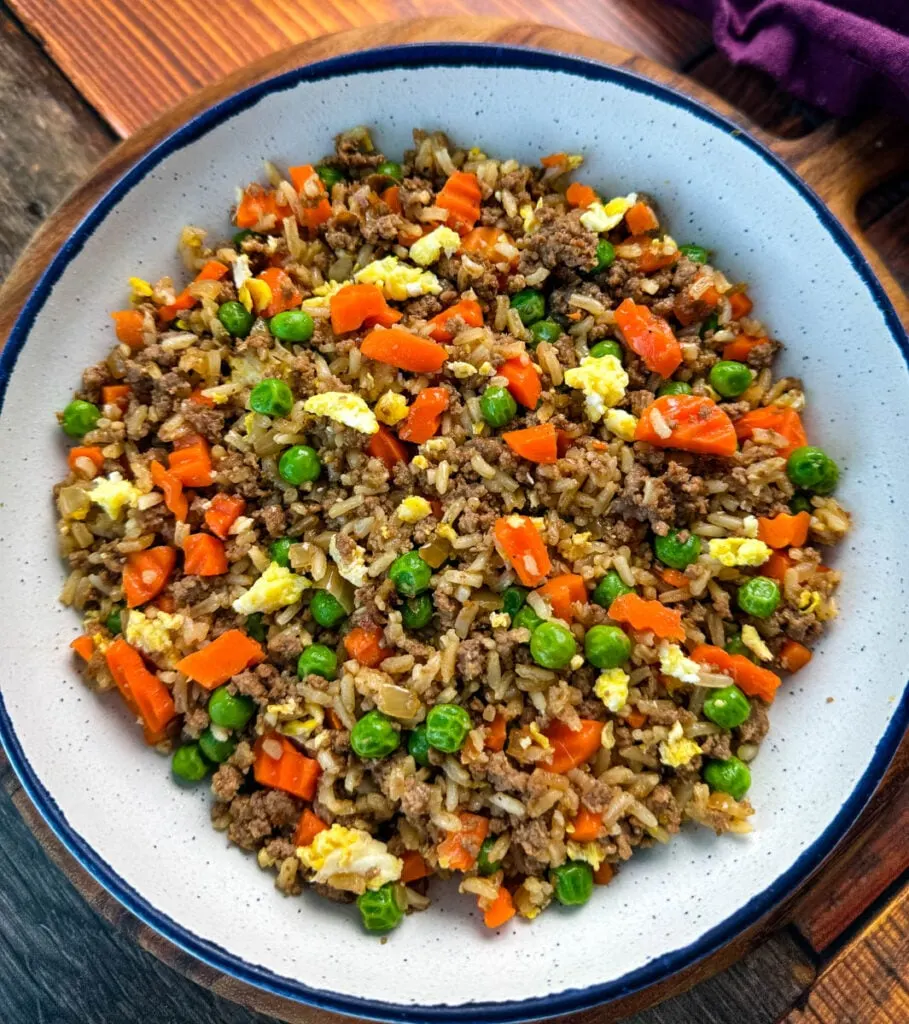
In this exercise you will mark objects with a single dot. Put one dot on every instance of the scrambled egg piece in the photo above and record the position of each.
(600, 217)
(500, 620)
(274, 589)
(353, 568)
(676, 750)
(603, 382)
(538, 738)
(155, 636)
(529, 216)
(809, 601)
(750, 526)
(674, 663)
(254, 293)
(588, 852)
(612, 689)
(391, 408)
(752, 640)
(342, 407)
(621, 423)
(113, 493)
(350, 859)
(413, 509)
(429, 248)
(462, 370)
(419, 462)
(241, 270)
(731, 551)
(398, 280)
(321, 295)
(140, 287)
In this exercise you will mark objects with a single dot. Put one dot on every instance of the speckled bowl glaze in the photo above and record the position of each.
(834, 727)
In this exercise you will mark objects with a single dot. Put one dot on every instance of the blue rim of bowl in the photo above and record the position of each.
(412, 56)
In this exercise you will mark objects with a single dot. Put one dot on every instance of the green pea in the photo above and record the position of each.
(271, 397)
(188, 764)
(417, 611)
(410, 574)
(326, 609)
(696, 253)
(552, 645)
(255, 626)
(711, 323)
(230, 710)
(236, 318)
(241, 236)
(609, 588)
(317, 660)
(526, 618)
(497, 406)
(79, 418)
(674, 387)
(727, 708)
(280, 551)
(418, 746)
(810, 468)
(380, 909)
(731, 776)
(607, 646)
(217, 751)
(759, 596)
(545, 330)
(447, 726)
(735, 645)
(607, 348)
(391, 170)
(573, 882)
(330, 175)
(114, 620)
(513, 600)
(484, 865)
(300, 464)
(730, 378)
(295, 325)
(530, 304)
(677, 553)
(605, 256)
(800, 503)
(374, 736)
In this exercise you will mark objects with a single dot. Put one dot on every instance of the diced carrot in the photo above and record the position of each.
(636, 719)
(536, 444)
(563, 593)
(654, 255)
(213, 270)
(604, 874)
(486, 241)
(284, 293)
(301, 174)
(357, 304)
(648, 616)
(204, 555)
(116, 394)
(257, 204)
(174, 498)
(523, 381)
(688, 308)
(467, 309)
(520, 543)
(334, 719)
(308, 827)
(571, 748)
(406, 351)
(165, 603)
(461, 196)
(777, 565)
(675, 578)
(221, 659)
(496, 733)
(424, 415)
(695, 424)
(794, 655)
(436, 505)
(223, 512)
(146, 573)
(501, 910)
(641, 218)
(84, 646)
(580, 195)
(650, 337)
(291, 772)
(554, 159)
(740, 349)
(750, 678)
(364, 644)
(144, 693)
(784, 530)
(459, 850)
(386, 447)
(564, 441)
(741, 305)
(85, 452)
(197, 398)
(190, 463)
(586, 826)
(129, 325)
(415, 867)
(392, 199)
(781, 419)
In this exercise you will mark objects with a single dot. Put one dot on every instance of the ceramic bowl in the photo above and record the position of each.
(834, 726)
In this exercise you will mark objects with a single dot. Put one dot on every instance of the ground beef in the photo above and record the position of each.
(207, 422)
(274, 520)
(665, 807)
(191, 590)
(533, 838)
(226, 782)
(238, 472)
(719, 746)
(561, 243)
(645, 498)
(755, 727)
(503, 776)
(329, 892)
(286, 645)
(424, 308)
(259, 815)
(415, 800)
(195, 722)
(254, 682)
(473, 656)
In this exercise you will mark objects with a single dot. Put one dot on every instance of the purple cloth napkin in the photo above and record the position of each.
(836, 54)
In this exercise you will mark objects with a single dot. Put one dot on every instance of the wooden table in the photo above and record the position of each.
(841, 951)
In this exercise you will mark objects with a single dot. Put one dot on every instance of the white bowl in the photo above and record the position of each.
(834, 727)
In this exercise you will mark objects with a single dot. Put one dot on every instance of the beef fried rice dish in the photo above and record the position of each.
(448, 521)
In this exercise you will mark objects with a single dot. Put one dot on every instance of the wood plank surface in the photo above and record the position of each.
(156, 52)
